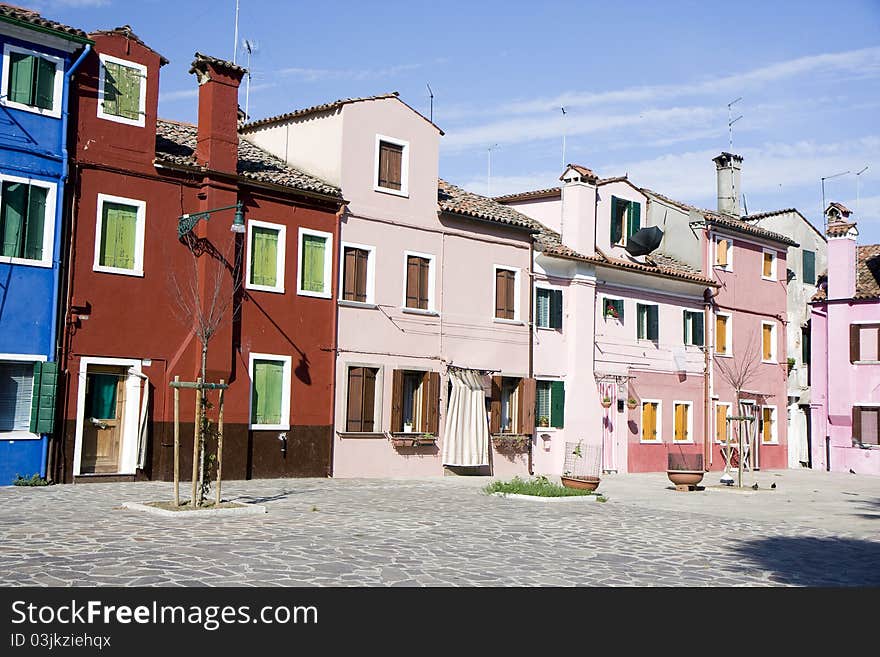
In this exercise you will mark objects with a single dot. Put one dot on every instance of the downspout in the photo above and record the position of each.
(335, 346)
(709, 337)
(531, 373)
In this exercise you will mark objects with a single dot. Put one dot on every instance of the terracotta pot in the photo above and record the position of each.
(685, 477)
(606, 404)
(582, 483)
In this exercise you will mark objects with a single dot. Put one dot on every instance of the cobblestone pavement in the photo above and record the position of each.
(439, 532)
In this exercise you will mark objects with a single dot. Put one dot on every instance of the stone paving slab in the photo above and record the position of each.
(820, 531)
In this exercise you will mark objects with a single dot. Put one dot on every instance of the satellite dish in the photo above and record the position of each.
(643, 241)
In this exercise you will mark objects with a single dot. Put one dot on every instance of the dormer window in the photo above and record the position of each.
(625, 219)
(392, 164)
(122, 91)
(32, 81)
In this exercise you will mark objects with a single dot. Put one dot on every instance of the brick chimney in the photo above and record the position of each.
(842, 235)
(217, 142)
(728, 168)
(579, 209)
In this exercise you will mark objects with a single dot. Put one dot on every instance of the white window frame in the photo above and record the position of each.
(279, 260)
(21, 358)
(138, 269)
(377, 401)
(689, 341)
(539, 379)
(404, 167)
(516, 294)
(551, 288)
(432, 272)
(327, 292)
(773, 274)
(729, 265)
(729, 413)
(646, 338)
(775, 432)
(774, 349)
(48, 222)
(58, 83)
(142, 101)
(659, 439)
(728, 344)
(615, 319)
(284, 425)
(371, 276)
(690, 422)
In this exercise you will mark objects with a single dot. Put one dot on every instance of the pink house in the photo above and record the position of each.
(845, 353)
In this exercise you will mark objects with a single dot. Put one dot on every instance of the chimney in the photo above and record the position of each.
(729, 171)
(578, 228)
(217, 142)
(842, 235)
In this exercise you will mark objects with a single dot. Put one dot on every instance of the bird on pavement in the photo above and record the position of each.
(851, 471)
(755, 486)
(773, 485)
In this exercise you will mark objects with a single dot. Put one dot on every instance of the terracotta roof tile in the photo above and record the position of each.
(176, 143)
(126, 31)
(584, 171)
(840, 207)
(455, 200)
(868, 272)
(739, 226)
(771, 213)
(200, 60)
(23, 15)
(838, 228)
(550, 192)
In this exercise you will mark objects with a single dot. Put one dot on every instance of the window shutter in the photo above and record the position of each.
(390, 165)
(354, 419)
(349, 276)
(424, 278)
(809, 267)
(500, 285)
(313, 263)
(721, 334)
(412, 282)
(264, 257)
(510, 295)
(635, 218)
(45, 87)
(397, 401)
(495, 406)
(556, 309)
(720, 423)
(118, 236)
(557, 404)
(431, 413)
(680, 422)
(111, 90)
(698, 330)
(43, 398)
(21, 78)
(616, 223)
(767, 340)
(368, 411)
(268, 391)
(805, 344)
(543, 303)
(857, 423)
(686, 319)
(12, 218)
(653, 323)
(130, 93)
(721, 247)
(854, 336)
(360, 291)
(16, 386)
(526, 409)
(36, 217)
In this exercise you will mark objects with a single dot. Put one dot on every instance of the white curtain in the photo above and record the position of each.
(466, 433)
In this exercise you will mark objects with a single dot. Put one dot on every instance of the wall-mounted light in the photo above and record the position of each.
(238, 220)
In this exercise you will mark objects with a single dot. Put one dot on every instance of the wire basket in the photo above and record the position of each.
(582, 460)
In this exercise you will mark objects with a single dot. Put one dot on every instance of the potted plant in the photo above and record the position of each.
(510, 442)
(684, 470)
(578, 473)
(543, 421)
(606, 401)
(611, 311)
(791, 363)
(632, 403)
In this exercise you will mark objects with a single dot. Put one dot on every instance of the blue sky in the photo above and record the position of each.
(645, 84)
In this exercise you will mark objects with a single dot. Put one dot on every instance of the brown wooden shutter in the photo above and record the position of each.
(854, 336)
(510, 296)
(390, 165)
(857, 423)
(412, 282)
(424, 278)
(355, 399)
(431, 402)
(505, 292)
(349, 283)
(361, 275)
(397, 401)
(500, 283)
(368, 411)
(495, 406)
(526, 394)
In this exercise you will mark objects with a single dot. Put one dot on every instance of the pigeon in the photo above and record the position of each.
(755, 486)
(773, 485)
(851, 471)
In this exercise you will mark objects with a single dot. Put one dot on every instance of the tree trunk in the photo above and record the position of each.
(196, 432)
(176, 443)
(219, 443)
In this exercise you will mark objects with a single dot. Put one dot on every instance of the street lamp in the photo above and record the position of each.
(186, 222)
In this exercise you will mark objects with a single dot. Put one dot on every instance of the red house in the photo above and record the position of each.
(139, 281)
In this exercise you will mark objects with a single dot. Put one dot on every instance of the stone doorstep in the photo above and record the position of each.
(246, 510)
(536, 498)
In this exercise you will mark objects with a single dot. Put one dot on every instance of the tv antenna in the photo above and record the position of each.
(489, 170)
(235, 40)
(431, 110)
(564, 131)
(250, 47)
(824, 178)
(730, 122)
(858, 199)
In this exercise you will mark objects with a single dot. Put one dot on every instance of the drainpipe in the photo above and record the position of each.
(707, 394)
(531, 320)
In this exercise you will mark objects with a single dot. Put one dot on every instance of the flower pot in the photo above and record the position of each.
(685, 479)
(632, 405)
(582, 483)
(606, 404)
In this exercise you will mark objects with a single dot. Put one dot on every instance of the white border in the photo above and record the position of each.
(539, 379)
(646, 338)
(775, 420)
(21, 358)
(371, 273)
(281, 252)
(431, 310)
(48, 222)
(138, 269)
(729, 406)
(128, 443)
(516, 294)
(729, 265)
(690, 422)
(728, 351)
(659, 421)
(58, 83)
(404, 167)
(773, 275)
(702, 313)
(774, 356)
(142, 101)
(327, 292)
(548, 286)
(284, 425)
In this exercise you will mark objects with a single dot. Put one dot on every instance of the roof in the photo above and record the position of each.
(771, 213)
(126, 31)
(867, 274)
(550, 192)
(13, 14)
(327, 107)
(176, 143)
(839, 228)
(739, 226)
(840, 207)
(455, 200)
(584, 171)
(200, 60)
(725, 156)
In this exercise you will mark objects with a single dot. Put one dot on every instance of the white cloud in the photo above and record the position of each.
(184, 94)
(322, 74)
(73, 4)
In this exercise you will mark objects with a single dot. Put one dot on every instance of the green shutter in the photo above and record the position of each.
(268, 391)
(111, 90)
(616, 228)
(129, 100)
(635, 219)
(556, 309)
(12, 218)
(809, 269)
(697, 328)
(45, 85)
(36, 218)
(542, 308)
(557, 404)
(264, 257)
(43, 400)
(313, 263)
(118, 236)
(21, 78)
(653, 323)
(687, 319)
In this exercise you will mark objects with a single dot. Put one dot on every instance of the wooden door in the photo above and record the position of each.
(103, 420)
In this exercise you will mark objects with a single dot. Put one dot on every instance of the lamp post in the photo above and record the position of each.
(186, 222)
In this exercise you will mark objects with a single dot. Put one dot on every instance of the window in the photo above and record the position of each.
(265, 263)
(723, 335)
(16, 392)
(119, 243)
(809, 267)
(613, 308)
(27, 221)
(548, 308)
(361, 399)
(625, 219)
(415, 402)
(122, 87)
(768, 265)
(647, 324)
(313, 275)
(512, 405)
(650, 424)
(805, 344)
(723, 254)
(32, 81)
(683, 422)
(722, 412)
(693, 328)
(419, 274)
(550, 404)
(866, 425)
(768, 424)
(357, 273)
(270, 392)
(864, 343)
(392, 162)
(768, 342)
(506, 293)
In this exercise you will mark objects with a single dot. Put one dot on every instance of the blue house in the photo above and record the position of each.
(39, 59)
